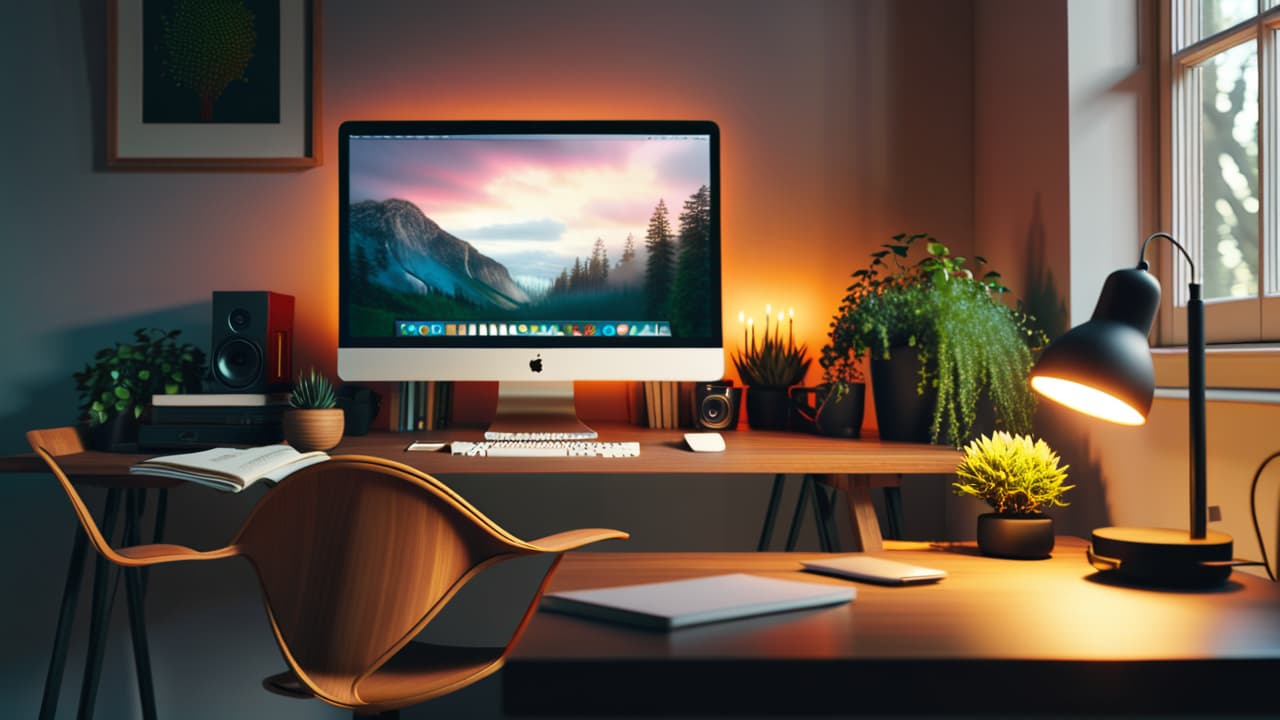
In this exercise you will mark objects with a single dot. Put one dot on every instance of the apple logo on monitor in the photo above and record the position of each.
(536, 364)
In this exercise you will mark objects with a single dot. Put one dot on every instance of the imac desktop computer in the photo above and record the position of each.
(532, 253)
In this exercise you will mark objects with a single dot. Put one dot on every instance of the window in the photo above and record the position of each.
(1224, 124)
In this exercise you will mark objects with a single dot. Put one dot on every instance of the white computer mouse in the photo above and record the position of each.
(704, 442)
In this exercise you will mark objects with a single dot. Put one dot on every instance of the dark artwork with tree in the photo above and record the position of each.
(211, 61)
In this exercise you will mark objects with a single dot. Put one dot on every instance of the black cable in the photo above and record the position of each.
(1253, 511)
(1142, 254)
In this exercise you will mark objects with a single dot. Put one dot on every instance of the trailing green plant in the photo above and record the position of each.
(968, 341)
(772, 362)
(313, 391)
(122, 378)
(1012, 473)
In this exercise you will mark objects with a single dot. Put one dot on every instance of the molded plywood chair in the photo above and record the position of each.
(355, 556)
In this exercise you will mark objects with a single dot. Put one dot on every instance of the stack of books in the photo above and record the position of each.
(194, 421)
(421, 405)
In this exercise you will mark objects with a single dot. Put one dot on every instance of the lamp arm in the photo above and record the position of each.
(1199, 499)
(1142, 254)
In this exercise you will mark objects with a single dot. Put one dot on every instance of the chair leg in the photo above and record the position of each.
(770, 515)
(99, 612)
(797, 516)
(135, 591)
(62, 634)
(893, 512)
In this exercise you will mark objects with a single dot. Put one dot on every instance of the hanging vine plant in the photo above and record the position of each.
(969, 342)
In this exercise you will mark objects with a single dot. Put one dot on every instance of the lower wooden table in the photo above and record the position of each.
(996, 636)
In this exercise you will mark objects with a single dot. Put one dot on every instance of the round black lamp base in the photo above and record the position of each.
(1161, 557)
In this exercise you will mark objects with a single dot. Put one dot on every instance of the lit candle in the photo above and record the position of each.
(742, 320)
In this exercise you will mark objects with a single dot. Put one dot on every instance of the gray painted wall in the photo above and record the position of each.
(843, 123)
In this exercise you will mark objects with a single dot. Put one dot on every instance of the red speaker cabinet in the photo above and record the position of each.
(252, 348)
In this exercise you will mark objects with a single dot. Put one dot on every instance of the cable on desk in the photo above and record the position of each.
(1253, 511)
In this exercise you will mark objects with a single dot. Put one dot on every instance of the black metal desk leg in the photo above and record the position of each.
(822, 516)
(893, 512)
(770, 515)
(62, 635)
(135, 592)
(99, 613)
(797, 517)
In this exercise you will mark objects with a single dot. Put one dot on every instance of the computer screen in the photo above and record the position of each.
(529, 251)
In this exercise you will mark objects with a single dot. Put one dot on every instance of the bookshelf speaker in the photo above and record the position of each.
(252, 348)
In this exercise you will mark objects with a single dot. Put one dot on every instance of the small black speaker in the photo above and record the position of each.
(717, 405)
(252, 347)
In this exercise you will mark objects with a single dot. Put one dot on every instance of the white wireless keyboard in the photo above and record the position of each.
(545, 448)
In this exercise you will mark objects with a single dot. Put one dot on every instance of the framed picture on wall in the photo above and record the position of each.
(215, 84)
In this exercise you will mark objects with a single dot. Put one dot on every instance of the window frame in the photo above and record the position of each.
(1247, 320)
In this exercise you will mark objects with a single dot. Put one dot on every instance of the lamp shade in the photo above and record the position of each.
(1103, 367)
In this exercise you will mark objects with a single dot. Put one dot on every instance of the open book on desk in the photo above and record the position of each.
(230, 469)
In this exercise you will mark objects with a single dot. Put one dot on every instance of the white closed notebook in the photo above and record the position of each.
(875, 569)
(681, 603)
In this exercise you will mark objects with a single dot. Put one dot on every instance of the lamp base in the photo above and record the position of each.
(1161, 557)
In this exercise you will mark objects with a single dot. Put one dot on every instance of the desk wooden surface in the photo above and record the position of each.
(852, 466)
(993, 635)
(661, 452)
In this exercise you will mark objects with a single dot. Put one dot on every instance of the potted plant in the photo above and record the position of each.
(769, 369)
(313, 421)
(1017, 477)
(115, 390)
(939, 339)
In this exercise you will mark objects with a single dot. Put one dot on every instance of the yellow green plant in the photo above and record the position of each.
(1013, 474)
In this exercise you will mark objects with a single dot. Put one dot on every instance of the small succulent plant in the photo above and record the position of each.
(1012, 473)
(313, 391)
(773, 362)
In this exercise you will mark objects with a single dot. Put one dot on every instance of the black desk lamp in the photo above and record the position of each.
(1103, 368)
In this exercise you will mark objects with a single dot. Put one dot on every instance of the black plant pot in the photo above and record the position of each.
(119, 434)
(767, 407)
(902, 414)
(1020, 537)
(813, 410)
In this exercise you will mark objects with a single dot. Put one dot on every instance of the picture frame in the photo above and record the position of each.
(177, 101)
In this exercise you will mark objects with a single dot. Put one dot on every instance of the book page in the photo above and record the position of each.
(239, 465)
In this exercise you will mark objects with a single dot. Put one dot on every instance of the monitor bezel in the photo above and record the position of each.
(518, 127)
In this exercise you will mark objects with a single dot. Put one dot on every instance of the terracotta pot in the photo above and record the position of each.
(1020, 537)
(308, 430)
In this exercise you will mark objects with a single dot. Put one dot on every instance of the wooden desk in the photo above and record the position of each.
(1030, 637)
(854, 466)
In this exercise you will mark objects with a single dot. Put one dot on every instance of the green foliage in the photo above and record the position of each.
(313, 391)
(1012, 474)
(772, 362)
(122, 378)
(967, 340)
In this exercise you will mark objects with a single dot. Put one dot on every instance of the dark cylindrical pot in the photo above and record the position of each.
(841, 416)
(119, 434)
(901, 413)
(767, 407)
(1020, 537)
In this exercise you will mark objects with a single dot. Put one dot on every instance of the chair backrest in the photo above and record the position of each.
(54, 442)
(355, 556)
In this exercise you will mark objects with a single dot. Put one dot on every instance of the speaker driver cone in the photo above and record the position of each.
(237, 363)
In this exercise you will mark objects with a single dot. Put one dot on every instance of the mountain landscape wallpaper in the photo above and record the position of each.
(560, 229)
